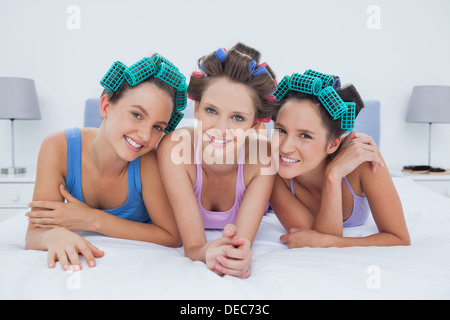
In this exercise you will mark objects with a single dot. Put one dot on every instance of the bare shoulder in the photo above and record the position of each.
(177, 146)
(55, 144)
(257, 154)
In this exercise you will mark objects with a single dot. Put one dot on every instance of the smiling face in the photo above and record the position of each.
(301, 139)
(135, 123)
(226, 111)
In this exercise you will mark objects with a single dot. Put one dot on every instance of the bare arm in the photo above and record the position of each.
(289, 210)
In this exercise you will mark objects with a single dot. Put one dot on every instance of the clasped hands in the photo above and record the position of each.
(230, 254)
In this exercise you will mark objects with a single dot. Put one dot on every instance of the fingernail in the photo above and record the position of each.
(92, 263)
(219, 258)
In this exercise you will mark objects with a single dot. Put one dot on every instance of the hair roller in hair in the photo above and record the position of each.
(337, 83)
(174, 121)
(282, 88)
(141, 70)
(221, 54)
(348, 118)
(252, 66)
(181, 97)
(171, 75)
(259, 70)
(112, 80)
(327, 80)
(306, 84)
(332, 102)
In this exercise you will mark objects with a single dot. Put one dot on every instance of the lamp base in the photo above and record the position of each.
(13, 170)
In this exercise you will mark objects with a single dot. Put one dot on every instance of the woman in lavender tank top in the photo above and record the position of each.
(326, 182)
(216, 180)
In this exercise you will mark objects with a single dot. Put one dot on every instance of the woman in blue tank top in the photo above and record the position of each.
(326, 182)
(109, 176)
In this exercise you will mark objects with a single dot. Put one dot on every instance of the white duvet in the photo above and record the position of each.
(139, 270)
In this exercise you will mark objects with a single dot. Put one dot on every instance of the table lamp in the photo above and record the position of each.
(18, 100)
(429, 104)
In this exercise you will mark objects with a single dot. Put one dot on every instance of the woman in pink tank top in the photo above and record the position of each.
(217, 175)
(326, 182)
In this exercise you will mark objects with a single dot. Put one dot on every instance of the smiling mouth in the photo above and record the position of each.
(133, 145)
(287, 161)
(218, 141)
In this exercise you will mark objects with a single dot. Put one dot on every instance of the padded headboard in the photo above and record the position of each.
(92, 117)
(368, 120)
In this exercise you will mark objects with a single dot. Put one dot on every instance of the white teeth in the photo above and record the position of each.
(288, 159)
(219, 141)
(134, 144)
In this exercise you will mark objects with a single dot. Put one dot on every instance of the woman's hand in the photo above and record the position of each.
(65, 246)
(356, 149)
(299, 238)
(73, 215)
(230, 254)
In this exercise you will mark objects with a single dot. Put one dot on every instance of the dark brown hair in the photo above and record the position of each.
(235, 67)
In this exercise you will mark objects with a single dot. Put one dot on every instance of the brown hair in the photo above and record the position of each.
(237, 66)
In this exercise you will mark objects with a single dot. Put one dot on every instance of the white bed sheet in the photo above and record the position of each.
(139, 270)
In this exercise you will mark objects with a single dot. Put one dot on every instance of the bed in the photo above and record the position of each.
(139, 270)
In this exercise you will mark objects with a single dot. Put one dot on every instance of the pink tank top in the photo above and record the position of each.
(216, 219)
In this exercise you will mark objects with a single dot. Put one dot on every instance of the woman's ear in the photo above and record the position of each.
(333, 145)
(104, 106)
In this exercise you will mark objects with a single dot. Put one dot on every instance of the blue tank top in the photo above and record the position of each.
(134, 209)
(361, 208)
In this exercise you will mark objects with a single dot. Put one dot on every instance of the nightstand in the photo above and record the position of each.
(439, 183)
(16, 191)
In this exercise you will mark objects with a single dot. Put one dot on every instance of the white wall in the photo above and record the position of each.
(411, 47)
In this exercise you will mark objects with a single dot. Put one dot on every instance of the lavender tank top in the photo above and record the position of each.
(216, 219)
(360, 211)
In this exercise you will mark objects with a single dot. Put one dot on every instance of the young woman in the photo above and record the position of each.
(221, 183)
(326, 182)
(109, 176)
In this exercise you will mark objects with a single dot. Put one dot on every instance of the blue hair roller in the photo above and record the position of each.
(337, 83)
(259, 71)
(252, 66)
(221, 54)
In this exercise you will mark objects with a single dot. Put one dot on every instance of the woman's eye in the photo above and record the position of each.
(210, 110)
(305, 136)
(279, 130)
(136, 115)
(158, 128)
(238, 118)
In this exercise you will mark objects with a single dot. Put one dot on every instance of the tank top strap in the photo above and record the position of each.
(349, 187)
(73, 175)
(134, 177)
(292, 186)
